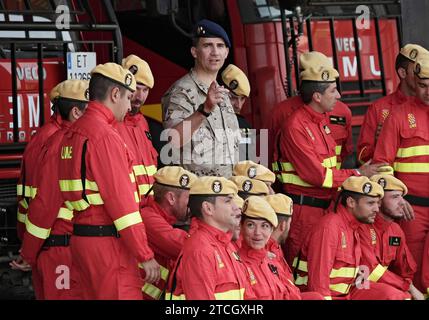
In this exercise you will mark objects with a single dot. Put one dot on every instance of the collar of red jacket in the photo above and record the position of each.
(381, 223)
(132, 119)
(253, 254)
(99, 110)
(57, 120)
(315, 116)
(419, 104)
(221, 236)
(349, 218)
(272, 245)
(399, 97)
(66, 124)
(168, 217)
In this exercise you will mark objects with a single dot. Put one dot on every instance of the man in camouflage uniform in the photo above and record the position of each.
(206, 132)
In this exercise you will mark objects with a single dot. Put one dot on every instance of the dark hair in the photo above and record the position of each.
(195, 203)
(159, 191)
(401, 62)
(282, 217)
(342, 198)
(100, 87)
(195, 41)
(244, 195)
(64, 106)
(309, 87)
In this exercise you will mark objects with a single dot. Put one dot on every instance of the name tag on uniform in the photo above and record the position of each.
(337, 120)
(395, 241)
(245, 140)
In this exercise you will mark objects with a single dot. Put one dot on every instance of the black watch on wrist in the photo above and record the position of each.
(201, 110)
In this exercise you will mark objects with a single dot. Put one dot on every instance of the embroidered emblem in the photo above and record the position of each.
(310, 133)
(373, 236)
(247, 185)
(219, 260)
(412, 120)
(382, 182)
(384, 114)
(325, 75)
(252, 277)
(184, 180)
(251, 173)
(343, 240)
(367, 188)
(327, 130)
(217, 186)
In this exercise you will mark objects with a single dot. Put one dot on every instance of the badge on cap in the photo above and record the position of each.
(128, 79)
(251, 173)
(233, 84)
(246, 203)
(184, 180)
(201, 30)
(87, 94)
(133, 69)
(217, 186)
(325, 75)
(367, 188)
(382, 182)
(247, 185)
(413, 54)
(418, 68)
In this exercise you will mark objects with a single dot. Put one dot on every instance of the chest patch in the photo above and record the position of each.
(341, 121)
(412, 121)
(394, 241)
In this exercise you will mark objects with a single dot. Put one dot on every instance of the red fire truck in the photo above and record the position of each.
(267, 38)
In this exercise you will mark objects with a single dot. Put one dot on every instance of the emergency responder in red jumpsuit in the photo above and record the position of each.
(97, 182)
(170, 205)
(135, 129)
(209, 267)
(249, 187)
(403, 143)
(331, 258)
(25, 189)
(379, 110)
(309, 162)
(392, 262)
(255, 171)
(46, 241)
(340, 118)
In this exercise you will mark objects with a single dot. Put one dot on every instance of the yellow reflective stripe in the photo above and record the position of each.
(152, 291)
(340, 287)
(136, 196)
(141, 170)
(76, 185)
(81, 205)
(132, 177)
(377, 273)
(329, 179)
(128, 221)
(294, 179)
(344, 272)
(21, 217)
(164, 273)
(65, 214)
(275, 166)
(144, 188)
(287, 166)
(169, 296)
(24, 203)
(302, 266)
(36, 231)
(33, 192)
(330, 162)
(338, 165)
(230, 295)
(411, 167)
(299, 281)
(27, 190)
(413, 151)
(327, 298)
(338, 150)
(19, 190)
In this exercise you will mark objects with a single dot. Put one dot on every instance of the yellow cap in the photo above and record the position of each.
(390, 183)
(257, 207)
(250, 186)
(319, 73)
(385, 170)
(363, 186)
(254, 171)
(421, 68)
(282, 204)
(140, 69)
(71, 90)
(174, 176)
(213, 186)
(117, 74)
(412, 51)
(236, 80)
(313, 58)
(238, 201)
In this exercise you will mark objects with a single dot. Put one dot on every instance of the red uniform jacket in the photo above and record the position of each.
(385, 252)
(209, 268)
(374, 119)
(165, 241)
(331, 255)
(135, 132)
(405, 137)
(266, 276)
(340, 123)
(46, 214)
(110, 186)
(309, 162)
(29, 167)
